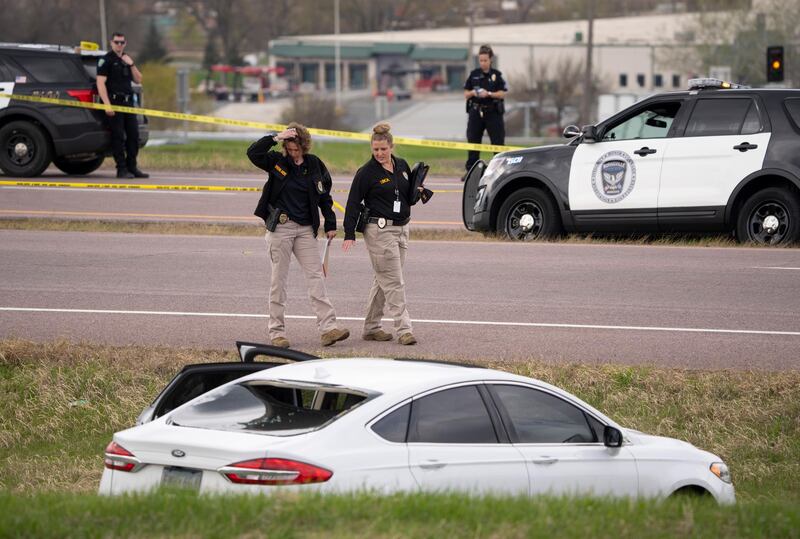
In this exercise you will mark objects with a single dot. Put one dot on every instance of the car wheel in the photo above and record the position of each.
(87, 166)
(24, 149)
(770, 217)
(528, 214)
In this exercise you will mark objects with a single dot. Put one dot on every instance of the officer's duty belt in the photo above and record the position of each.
(383, 222)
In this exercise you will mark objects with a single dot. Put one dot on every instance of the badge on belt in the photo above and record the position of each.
(283, 218)
(381, 222)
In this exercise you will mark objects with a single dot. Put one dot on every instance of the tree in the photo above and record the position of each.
(153, 50)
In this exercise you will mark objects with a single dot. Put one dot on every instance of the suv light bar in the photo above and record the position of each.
(699, 84)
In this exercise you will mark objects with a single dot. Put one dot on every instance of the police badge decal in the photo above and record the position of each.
(613, 176)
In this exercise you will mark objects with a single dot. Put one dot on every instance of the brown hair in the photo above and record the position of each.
(382, 131)
(486, 49)
(303, 138)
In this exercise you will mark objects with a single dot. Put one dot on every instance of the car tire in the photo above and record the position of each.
(770, 217)
(528, 214)
(24, 149)
(78, 168)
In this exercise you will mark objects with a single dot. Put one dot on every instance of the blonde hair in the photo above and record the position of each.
(303, 138)
(382, 131)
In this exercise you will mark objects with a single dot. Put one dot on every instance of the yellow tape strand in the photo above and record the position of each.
(445, 144)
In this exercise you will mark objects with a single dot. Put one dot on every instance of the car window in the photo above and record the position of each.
(452, 416)
(540, 418)
(47, 69)
(716, 117)
(793, 108)
(394, 426)
(13, 71)
(654, 121)
(752, 122)
(275, 409)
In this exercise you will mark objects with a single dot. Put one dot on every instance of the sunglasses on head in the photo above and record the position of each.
(119, 42)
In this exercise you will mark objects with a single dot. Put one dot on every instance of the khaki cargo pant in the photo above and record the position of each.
(291, 238)
(387, 251)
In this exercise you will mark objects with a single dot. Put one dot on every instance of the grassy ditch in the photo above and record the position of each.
(179, 514)
(340, 157)
(63, 401)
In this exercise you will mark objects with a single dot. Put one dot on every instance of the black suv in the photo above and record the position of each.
(32, 135)
(716, 158)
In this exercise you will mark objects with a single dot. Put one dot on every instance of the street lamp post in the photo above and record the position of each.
(337, 55)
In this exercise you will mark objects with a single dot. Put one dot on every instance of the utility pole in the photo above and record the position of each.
(471, 21)
(337, 55)
(103, 28)
(588, 93)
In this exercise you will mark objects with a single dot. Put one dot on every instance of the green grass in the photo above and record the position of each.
(182, 514)
(340, 157)
(61, 403)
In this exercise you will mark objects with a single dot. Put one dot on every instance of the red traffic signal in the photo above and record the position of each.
(775, 64)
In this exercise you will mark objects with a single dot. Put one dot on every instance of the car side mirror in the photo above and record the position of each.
(589, 132)
(572, 131)
(612, 436)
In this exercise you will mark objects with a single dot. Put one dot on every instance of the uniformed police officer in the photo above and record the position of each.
(115, 72)
(297, 188)
(484, 91)
(383, 186)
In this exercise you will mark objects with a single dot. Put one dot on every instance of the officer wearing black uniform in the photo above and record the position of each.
(115, 72)
(484, 91)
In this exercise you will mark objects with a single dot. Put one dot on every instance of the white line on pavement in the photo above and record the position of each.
(424, 321)
(776, 267)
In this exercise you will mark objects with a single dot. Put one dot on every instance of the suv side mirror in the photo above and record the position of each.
(612, 437)
(589, 132)
(572, 131)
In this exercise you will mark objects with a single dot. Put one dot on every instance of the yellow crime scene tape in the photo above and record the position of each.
(445, 144)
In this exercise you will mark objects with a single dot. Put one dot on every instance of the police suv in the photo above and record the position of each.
(717, 158)
(32, 135)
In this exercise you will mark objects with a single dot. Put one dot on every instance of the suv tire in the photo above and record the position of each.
(24, 149)
(78, 168)
(770, 217)
(528, 214)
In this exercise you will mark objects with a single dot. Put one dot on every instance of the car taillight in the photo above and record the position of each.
(82, 95)
(119, 458)
(275, 472)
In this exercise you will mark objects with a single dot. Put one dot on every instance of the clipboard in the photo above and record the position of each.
(326, 257)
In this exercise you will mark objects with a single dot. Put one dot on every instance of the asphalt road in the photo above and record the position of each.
(444, 210)
(673, 306)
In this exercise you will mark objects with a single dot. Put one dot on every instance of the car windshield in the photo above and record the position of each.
(273, 408)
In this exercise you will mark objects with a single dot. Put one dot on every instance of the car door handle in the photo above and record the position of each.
(544, 460)
(744, 146)
(645, 151)
(432, 464)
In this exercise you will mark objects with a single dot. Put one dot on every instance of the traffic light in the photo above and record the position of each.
(775, 64)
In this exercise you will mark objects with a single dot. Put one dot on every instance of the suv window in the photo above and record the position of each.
(793, 108)
(47, 69)
(394, 426)
(540, 418)
(654, 121)
(717, 117)
(275, 409)
(452, 416)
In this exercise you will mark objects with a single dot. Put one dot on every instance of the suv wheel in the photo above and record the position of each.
(86, 166)
(769, 217)
(528, 214)
(24, 149)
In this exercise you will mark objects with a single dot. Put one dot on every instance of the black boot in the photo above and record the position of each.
(138, 173)
(123, 173)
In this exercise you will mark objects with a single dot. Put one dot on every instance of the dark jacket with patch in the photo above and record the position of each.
(277, 166)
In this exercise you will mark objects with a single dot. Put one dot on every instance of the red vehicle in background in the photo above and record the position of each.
(243, 83)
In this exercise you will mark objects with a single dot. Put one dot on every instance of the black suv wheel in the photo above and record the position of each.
(770, 217)
(528, 214)
(24, 149)
(86, 166)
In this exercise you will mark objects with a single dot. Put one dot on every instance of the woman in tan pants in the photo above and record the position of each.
(383, 185)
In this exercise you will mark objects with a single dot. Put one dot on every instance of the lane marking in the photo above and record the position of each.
(775, 268)
(107, 214)
(424, 321)
(121, 191)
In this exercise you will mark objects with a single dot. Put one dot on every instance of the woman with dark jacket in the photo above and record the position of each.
(384, 187)
(297, 189)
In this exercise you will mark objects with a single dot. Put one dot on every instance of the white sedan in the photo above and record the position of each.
(401, 425)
